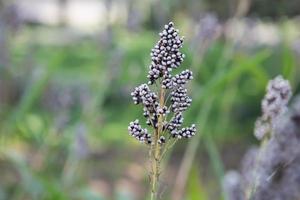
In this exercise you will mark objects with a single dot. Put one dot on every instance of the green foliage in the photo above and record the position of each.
(195, 188)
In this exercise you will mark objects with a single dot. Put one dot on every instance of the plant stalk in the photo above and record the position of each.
(155, 152)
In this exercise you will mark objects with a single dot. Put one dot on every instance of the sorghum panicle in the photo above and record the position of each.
(165, 57)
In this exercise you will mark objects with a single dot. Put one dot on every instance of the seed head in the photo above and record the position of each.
(165, 57)
(180, 100)
(138, 132)
(182, 78)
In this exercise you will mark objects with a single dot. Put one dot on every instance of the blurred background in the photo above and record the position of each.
(67, 68)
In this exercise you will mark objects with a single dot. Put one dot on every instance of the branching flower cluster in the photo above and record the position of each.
(163, 109)
(278, 94)
(165, 57)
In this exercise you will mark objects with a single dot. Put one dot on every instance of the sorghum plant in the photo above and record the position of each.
(163, 109)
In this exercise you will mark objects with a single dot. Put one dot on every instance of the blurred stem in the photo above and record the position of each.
(215, 158)
(190, 152)
(155, 156)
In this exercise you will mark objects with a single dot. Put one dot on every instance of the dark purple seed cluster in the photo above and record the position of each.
(182, 78)
(165, 57)
(167, 81)
(178, 80)
(175, 122)
(187, 132)
(142, 94)
(163, 111)
(180, 100)
(138, 132)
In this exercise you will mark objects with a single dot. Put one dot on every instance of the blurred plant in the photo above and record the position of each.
(232, 186)
(9, 24)
(134, 19)
(296, 46)
(170, 97)
(273, 105)
(272, 170)
(207, 30)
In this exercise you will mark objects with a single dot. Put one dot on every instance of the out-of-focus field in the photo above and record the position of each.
(67, 69)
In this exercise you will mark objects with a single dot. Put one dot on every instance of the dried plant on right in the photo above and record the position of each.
(271, 171)
(273, 105)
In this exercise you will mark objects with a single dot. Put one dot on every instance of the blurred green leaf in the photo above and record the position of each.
(195, 188)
